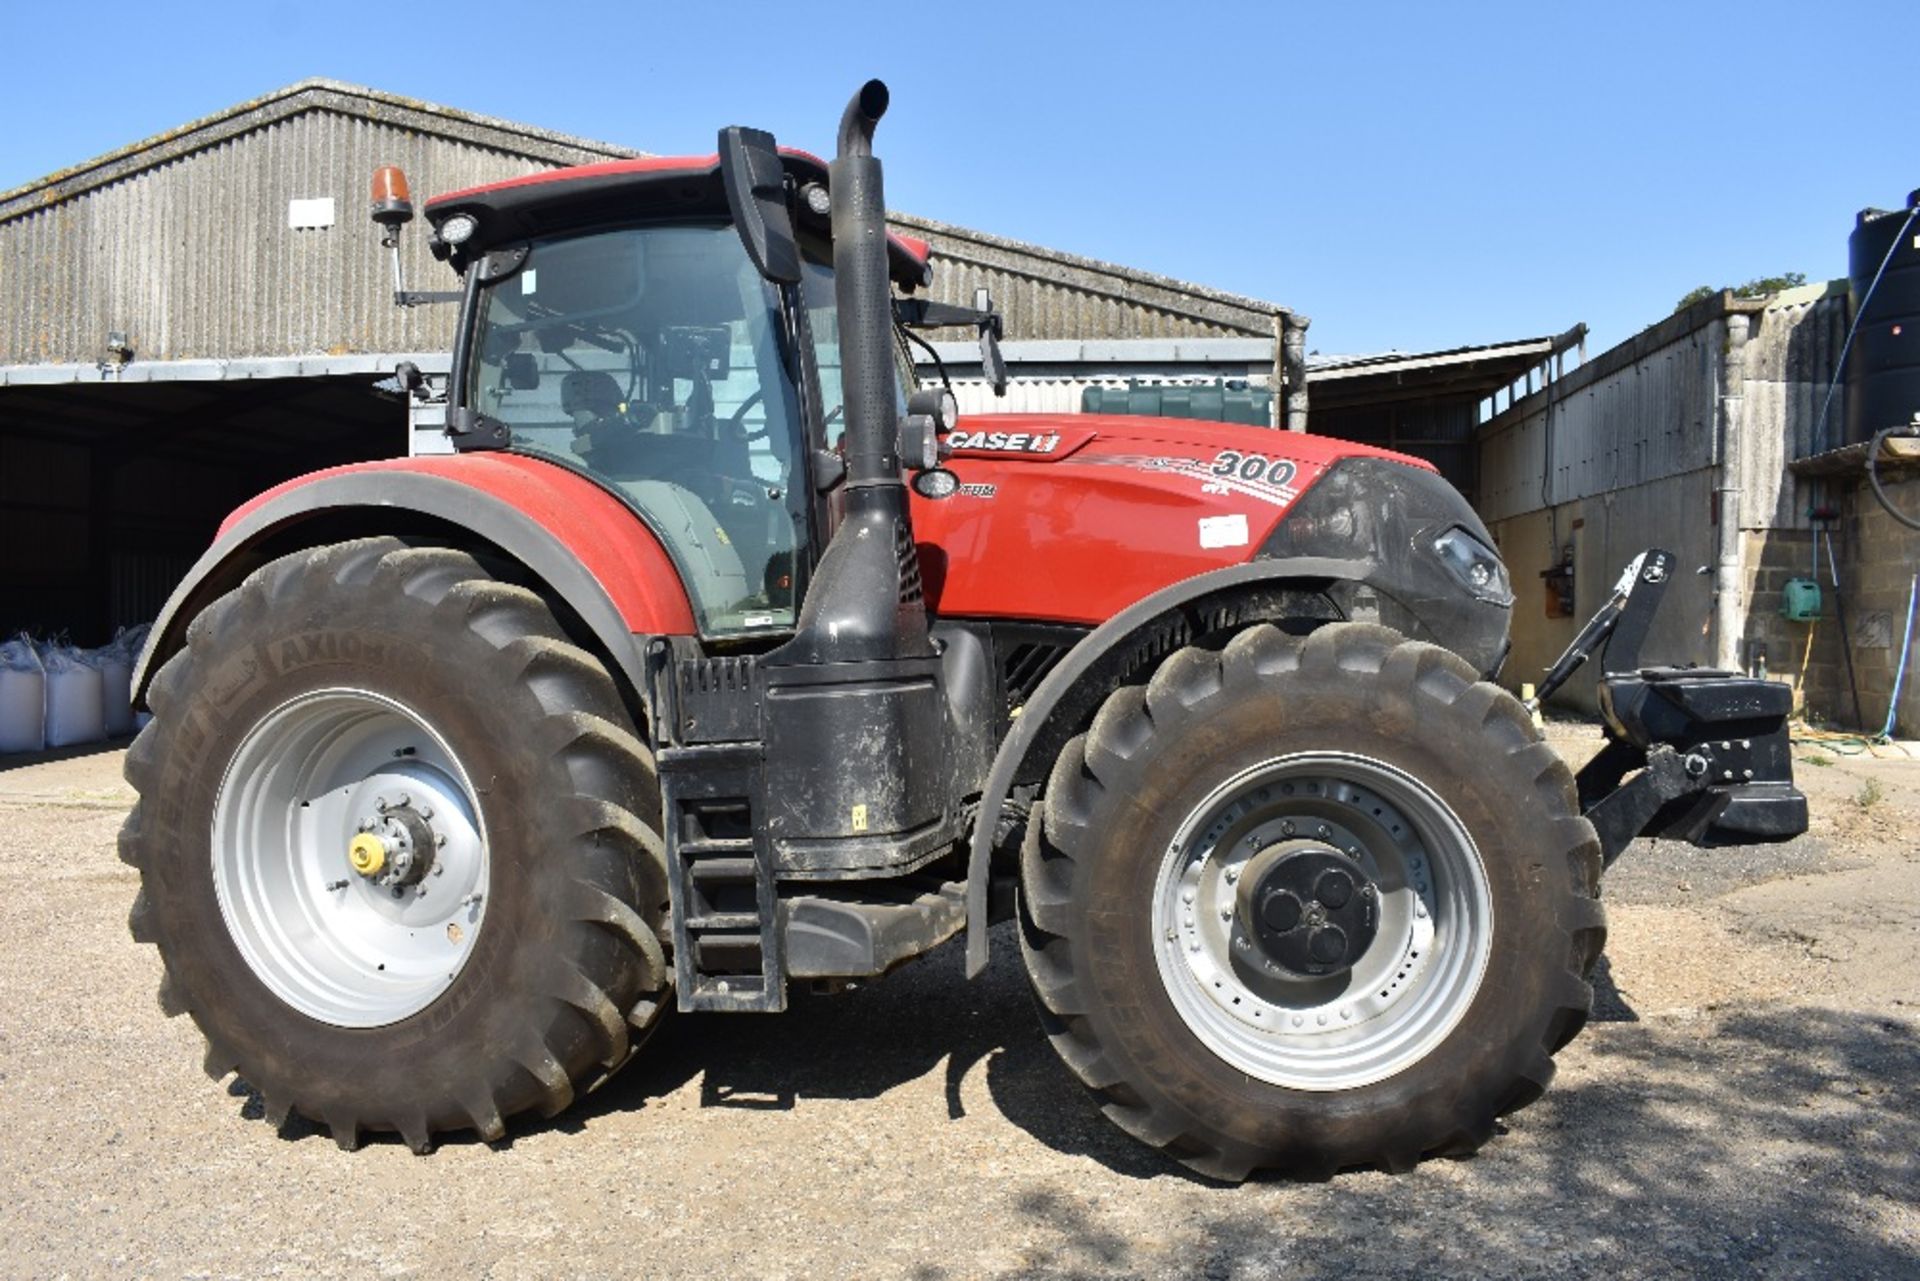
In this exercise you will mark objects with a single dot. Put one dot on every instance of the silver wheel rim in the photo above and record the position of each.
(1402, 995)
(334, 942)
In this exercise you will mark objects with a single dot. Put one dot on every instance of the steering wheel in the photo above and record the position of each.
(737, 420)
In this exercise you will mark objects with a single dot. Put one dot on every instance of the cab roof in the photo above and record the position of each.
(558, 199)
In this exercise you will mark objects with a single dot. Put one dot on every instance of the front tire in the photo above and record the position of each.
(398, 846)
(1309, 903)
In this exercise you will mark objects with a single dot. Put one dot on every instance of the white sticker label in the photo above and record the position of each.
(305, 215)
(529, 281)
(1223, 531)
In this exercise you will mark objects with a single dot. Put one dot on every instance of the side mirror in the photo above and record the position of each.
(523, 371)
(993, 366)
(756, 185)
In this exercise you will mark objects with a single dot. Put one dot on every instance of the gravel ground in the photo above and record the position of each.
(1747, 1102)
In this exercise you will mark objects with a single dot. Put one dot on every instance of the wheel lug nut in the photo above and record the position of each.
(1233, 874)
(1286, 828)
(1226, 914)
(405, 799)
(1324, 830)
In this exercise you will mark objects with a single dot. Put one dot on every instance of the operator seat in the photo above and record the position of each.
(661, 472)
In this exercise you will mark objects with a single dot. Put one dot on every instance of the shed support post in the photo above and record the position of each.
(1729, 618)
(1290, 367)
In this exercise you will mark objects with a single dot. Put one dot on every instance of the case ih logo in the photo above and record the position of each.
(1006, 442)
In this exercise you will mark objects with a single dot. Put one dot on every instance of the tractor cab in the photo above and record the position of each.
(616, 323)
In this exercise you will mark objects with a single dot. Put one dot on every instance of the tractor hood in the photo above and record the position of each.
(1055, 437)
(1071, 518)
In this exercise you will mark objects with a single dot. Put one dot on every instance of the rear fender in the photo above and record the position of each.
(1320, 576)
(581, 543)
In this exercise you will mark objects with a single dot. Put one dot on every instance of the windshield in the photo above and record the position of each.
(650, 356)
(823, 319)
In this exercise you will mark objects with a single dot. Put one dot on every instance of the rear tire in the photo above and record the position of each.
(375, 668)
(1371, 753)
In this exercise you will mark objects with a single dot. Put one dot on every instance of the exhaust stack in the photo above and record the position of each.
(864, 604)
(864, 294)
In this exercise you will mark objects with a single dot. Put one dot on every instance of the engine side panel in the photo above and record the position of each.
(1072, 519)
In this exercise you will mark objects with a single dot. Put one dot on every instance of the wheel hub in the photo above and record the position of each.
(395, 848)
(1311, 911)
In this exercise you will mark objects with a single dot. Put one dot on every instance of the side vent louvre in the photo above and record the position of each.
(909, 557)
(717, 700)
(1025, 666)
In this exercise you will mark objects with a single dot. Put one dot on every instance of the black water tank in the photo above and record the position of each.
(1883, 372)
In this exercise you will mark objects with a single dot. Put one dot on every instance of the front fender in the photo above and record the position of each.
(581, 542)
(1313, 572)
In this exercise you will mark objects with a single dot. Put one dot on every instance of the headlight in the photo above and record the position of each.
(1476, 566)
(937, 483)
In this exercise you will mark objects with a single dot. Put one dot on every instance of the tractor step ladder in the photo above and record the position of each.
(727, 951)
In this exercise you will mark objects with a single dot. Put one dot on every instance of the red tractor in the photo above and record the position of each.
(715, 659)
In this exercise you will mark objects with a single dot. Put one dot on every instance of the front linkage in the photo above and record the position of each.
(1707, 750)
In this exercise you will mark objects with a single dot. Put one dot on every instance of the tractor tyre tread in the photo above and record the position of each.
(1104, 769)
(601, 979)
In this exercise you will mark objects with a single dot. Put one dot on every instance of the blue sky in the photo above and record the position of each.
(1409, 175)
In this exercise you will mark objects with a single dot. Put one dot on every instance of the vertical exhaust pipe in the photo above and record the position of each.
(864, 604)
(863, 292)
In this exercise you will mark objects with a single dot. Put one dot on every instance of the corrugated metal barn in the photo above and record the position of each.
(199, 315)
(151, 304)
(1697, 435)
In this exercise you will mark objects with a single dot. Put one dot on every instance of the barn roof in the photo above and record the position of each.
(334, 96)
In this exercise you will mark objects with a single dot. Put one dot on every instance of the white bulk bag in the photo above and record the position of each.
(75, 708)
(116, 689)
(23, 698)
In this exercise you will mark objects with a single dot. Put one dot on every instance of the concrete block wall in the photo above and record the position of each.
(1877, 559)
(1886, 557)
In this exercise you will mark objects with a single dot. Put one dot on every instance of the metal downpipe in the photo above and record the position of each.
(1729, 616)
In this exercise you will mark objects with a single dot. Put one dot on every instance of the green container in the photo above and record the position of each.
(1223, 400)
(1800, 600)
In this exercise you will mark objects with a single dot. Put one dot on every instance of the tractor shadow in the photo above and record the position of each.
(923, 1019)
(868, 1040)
